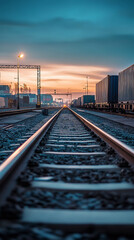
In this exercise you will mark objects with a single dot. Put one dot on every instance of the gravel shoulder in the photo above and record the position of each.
(120, 131)
(12, 138)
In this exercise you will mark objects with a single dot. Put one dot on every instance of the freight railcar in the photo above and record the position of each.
(126, 89)
(114, 93)
(83, 101)
(87, 99)
(79, 102)
(107, 91)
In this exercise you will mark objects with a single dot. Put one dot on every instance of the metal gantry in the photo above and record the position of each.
(67, 94)
(7, 66)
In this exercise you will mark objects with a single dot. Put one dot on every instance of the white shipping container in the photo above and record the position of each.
(102, 91)
(126, 85)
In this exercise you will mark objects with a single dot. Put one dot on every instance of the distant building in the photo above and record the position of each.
(32, 97)
(4, 89)
(5, 95)
(46, 99)
(7, 100)
(25, 101)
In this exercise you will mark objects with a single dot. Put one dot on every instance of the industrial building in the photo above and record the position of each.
(46, 99)
(4, 89)
(5, 95)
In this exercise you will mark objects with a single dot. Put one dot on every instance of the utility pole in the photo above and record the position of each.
(85, 90)
(87, 85)
(18, 82)
(18, 104)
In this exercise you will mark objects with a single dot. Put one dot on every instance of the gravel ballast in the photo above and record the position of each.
(122, 132)
(27, 195)
(12, 138)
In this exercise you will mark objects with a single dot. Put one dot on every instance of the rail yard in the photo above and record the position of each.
(68, 179)
(67, 120)
(113, 93)
(68, 173)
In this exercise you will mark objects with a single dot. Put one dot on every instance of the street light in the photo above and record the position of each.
(21, 55)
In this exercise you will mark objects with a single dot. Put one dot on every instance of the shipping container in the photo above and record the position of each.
(107, 90)
(74, 103)
(126, 85)
(2, 102)
(85, 99)
(79, 101)
(113, 89)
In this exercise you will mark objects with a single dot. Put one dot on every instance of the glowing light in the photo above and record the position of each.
(21, 55)
(64, 106)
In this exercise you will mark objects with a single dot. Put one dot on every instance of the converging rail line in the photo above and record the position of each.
(70, 176)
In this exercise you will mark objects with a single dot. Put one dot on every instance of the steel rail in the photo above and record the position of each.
(122, 149)
(9, 164)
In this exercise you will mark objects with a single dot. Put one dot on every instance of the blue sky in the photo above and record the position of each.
(96, 32)
(69, 32)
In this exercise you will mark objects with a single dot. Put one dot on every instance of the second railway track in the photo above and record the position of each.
(70, 180)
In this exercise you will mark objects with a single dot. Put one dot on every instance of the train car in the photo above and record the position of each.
(126, 88)
(107, 91)
(83, 101)
(86, 99)
(113, 93)
(79, 102)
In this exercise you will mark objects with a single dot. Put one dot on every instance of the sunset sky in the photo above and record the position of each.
(70, 39)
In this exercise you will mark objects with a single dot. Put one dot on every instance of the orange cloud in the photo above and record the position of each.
(59, 77)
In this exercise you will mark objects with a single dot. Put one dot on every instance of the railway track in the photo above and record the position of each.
(69, 180)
